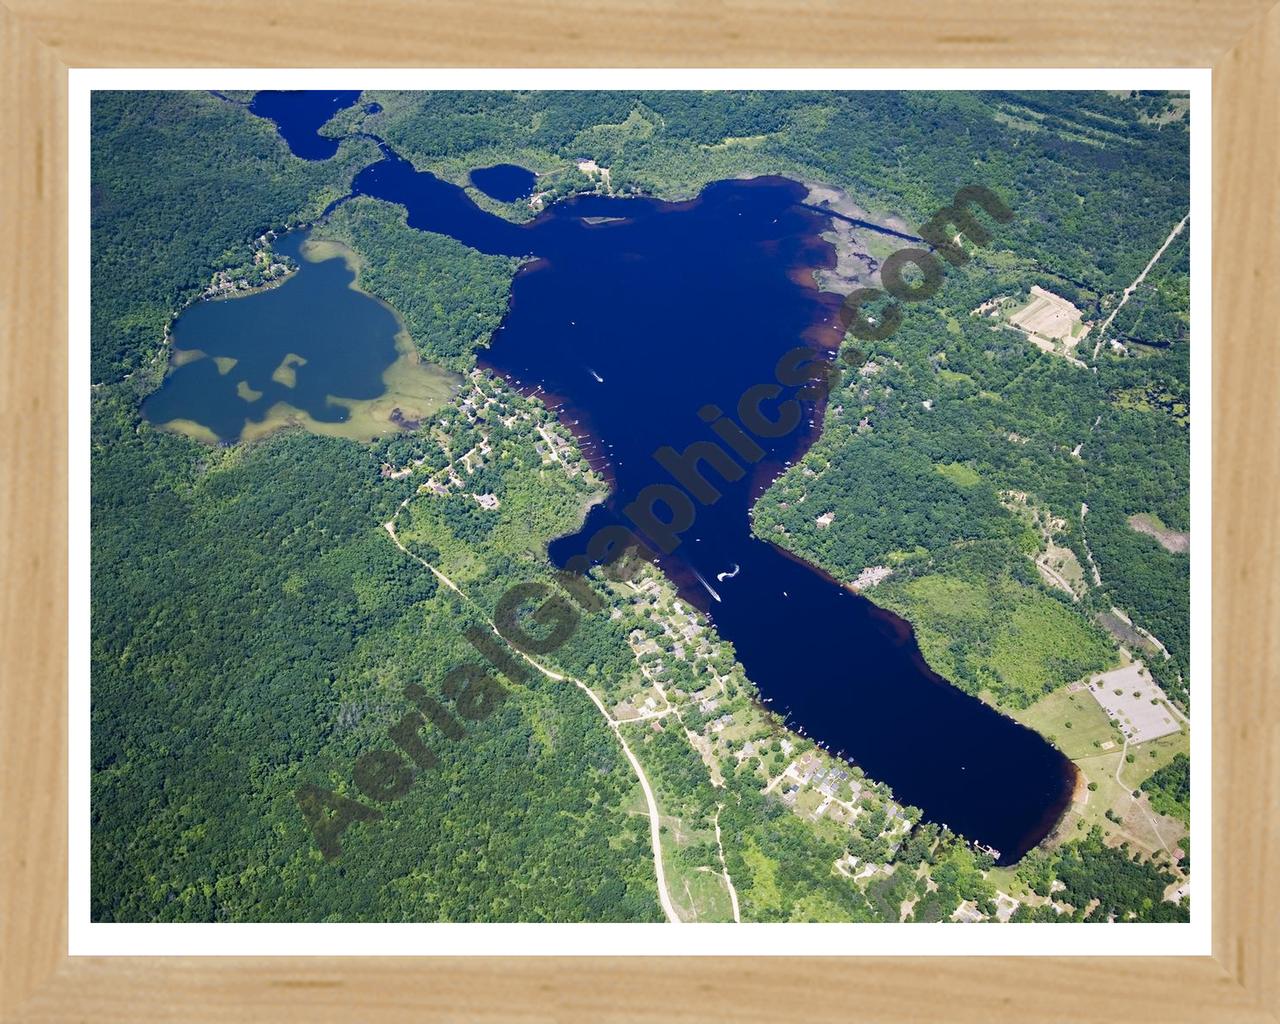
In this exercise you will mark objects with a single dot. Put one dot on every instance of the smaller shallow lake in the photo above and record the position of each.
(312, 349)
(504, 182)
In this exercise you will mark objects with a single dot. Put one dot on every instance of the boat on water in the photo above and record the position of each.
(709, 588)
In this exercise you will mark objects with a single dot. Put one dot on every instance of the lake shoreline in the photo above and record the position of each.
(818, 336)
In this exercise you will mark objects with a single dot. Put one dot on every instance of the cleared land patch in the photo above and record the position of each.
(1058, 565)
(1174, 541)
(1072, 721)
(947, 596)
(1051, 323)
(1130, 819)
(958, 473)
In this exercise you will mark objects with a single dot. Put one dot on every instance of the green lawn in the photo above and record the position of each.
(700, 896)
(1073, 722)
(1007, 880)
(957, 472)
(1116, 796)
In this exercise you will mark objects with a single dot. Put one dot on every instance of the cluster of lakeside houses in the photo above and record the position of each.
(689, 681)
(271, 271)
(482, 401)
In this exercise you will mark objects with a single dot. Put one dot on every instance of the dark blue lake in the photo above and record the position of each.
(299, 117)
(637, 327)
(505, 182)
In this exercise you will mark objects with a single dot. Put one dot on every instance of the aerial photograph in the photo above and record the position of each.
(640, 506)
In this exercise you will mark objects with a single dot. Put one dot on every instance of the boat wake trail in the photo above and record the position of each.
(709, 588)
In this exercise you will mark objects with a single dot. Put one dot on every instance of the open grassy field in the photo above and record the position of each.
(1017, 642)
(1140, 825)
(947, 595)
(1073, 722)
(1007, 880)
(957, 472)
(698, 890)
(701, 895)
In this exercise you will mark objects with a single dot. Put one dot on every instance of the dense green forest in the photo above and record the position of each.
(451, 297)
(1100, 183)
(181, 185)
(254, 630)
(1143, 463)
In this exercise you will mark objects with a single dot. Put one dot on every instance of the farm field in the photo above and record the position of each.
(1051, 323)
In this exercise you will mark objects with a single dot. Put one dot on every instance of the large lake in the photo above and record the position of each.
(635, 316)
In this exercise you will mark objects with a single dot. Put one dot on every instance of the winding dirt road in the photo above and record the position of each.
(655, 840)
(733, 893)
(1137, 281)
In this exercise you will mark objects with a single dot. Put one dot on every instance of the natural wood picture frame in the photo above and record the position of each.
(40, 41)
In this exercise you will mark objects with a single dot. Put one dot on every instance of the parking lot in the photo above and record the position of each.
(1130, 696)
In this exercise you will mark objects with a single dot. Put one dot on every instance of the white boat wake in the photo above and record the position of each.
(722, 576)
(710, 589)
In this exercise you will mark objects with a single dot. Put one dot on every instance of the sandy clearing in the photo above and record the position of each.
(1050, 322)
(1140, 705)
(1054, 578)
(1173, 541)
(1047, 314)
